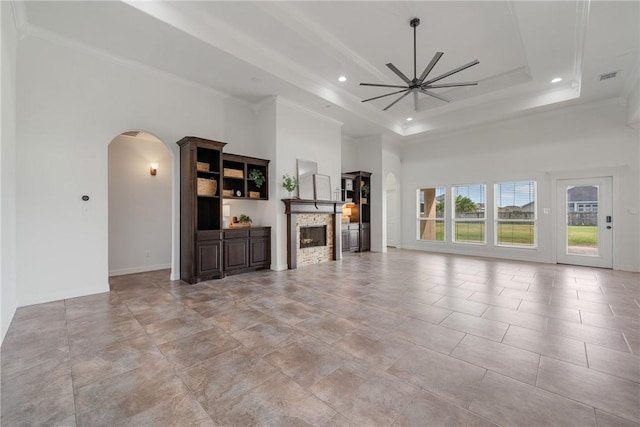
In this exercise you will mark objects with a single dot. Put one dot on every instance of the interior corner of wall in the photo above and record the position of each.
(278, 267)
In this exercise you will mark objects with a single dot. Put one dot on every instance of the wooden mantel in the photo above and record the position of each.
(301, 206)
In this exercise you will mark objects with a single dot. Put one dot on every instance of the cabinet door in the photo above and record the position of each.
(260, 252)
(236, 254)
(354, 240)
(345, 240)
(365, 239)
(209, 258)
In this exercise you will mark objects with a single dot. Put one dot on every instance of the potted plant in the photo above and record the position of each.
(365, 194)
(242, 222)
(289, 183)
(257, 177)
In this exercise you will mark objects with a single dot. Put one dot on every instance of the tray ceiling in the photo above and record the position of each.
(297, 50)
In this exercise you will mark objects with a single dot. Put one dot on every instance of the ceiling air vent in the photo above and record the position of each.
(608, 75)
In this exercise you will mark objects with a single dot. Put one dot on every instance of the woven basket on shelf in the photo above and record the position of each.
(233, 173)
(202, 166)
(207, 187)
(254, 194)
(227, 193)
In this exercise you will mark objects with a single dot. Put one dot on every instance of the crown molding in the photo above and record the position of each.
(565, 107)
(631, 81)
(315, 34)
(19, 11)
(42, 34)
(516, 24)
(292, 104)
(582, 22)
(226, 38)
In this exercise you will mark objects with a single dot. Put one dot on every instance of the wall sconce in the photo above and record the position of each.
(153, 169)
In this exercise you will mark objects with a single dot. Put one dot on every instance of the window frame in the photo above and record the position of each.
(497, 220)
(420, 219)
(455, 221)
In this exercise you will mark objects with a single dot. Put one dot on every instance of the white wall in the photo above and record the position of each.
(633, 105)
(139, 205)
(243, 137)
(8, 297)
(350, 160)
(301, 134)
(585, 140)
(71, 103)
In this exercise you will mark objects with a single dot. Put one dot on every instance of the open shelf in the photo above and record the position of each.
(237, 183)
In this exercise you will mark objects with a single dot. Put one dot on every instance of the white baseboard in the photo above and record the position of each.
(144, 269)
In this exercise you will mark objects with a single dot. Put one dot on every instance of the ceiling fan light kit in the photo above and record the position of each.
(418, 84)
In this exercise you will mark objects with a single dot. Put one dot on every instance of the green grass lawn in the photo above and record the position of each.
(517, 234)
(582, 235)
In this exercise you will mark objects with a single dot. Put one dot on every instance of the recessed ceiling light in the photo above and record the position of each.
(409, 119)
(556, 80)
(342, 79)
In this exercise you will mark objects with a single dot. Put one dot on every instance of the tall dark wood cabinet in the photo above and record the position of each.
(356, 193)
(200, 209)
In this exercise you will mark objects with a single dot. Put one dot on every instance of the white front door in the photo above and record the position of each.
(585, 222)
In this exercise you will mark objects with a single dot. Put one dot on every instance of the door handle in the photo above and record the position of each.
(608, 227)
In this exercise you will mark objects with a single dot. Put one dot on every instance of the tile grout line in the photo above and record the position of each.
(73, 387)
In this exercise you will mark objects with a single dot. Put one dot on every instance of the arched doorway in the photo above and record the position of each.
(140, 203)
(393, 211)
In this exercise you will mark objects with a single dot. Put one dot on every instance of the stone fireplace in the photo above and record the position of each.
(314, 240)
(313, 233)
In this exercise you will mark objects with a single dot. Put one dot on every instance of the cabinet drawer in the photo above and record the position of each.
(260, 232)
(236, 234)
(205, 235)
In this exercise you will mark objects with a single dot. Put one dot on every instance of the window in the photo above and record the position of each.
(431, 214)
(516, 213)
(469, 216)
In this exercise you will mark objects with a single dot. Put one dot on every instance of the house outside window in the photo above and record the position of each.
(469, 213)
(515, 214)
(431, 207)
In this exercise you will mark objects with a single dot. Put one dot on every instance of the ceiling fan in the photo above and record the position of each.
(418, 84)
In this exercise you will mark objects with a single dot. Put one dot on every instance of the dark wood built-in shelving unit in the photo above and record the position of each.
(206, 250)
(356, 235)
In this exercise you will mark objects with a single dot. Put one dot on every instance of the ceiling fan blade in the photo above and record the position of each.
(429, 86)
(377, 85)
(415, 99)
(394, 102)
(432, 64)
(399, 73)
(435, 95)
(382, 96)
(464, 67)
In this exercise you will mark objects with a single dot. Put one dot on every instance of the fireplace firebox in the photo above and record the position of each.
(313, 236)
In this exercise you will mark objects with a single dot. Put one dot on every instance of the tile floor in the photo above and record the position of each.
(403, 338)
